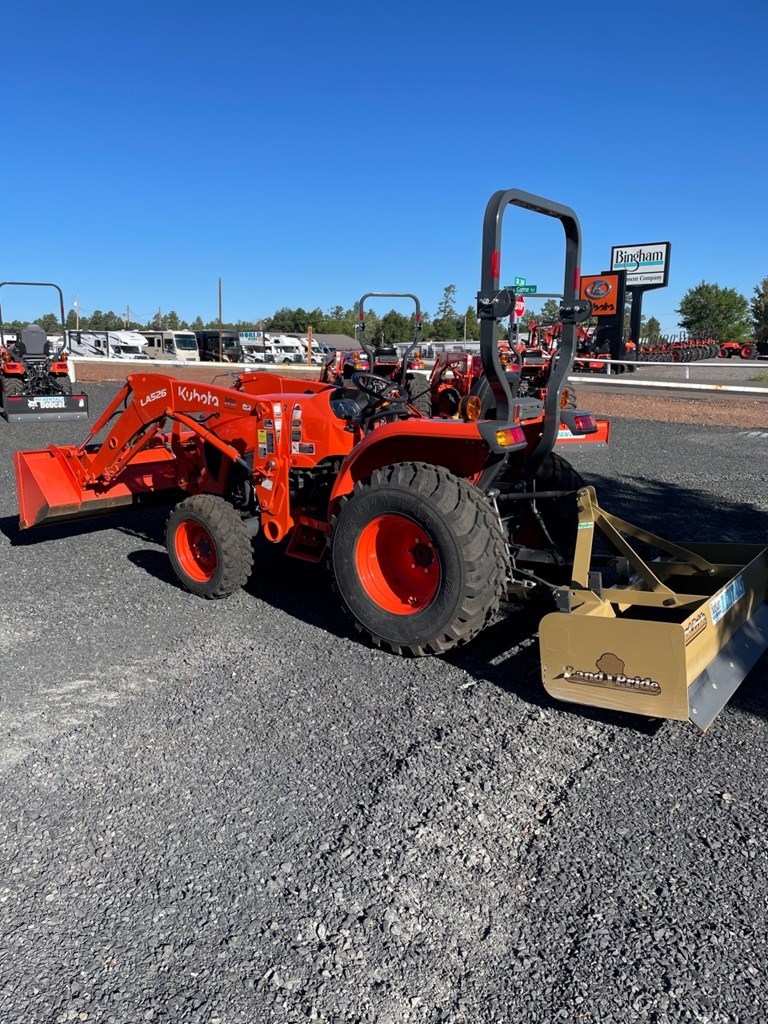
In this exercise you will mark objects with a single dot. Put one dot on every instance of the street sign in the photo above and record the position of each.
(519, 306)
(525, 289)
(519, 281)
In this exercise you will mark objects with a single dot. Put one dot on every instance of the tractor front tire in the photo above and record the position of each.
(209, 546)
(419, 559)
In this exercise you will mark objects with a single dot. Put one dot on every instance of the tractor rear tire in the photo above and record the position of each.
(209, 546)
(559, 515)
(421, 396)
(64, 384)
(12, 388)
(419, 559)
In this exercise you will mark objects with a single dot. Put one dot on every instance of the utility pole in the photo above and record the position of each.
(127, 318)
(221, 344)
(76, 304)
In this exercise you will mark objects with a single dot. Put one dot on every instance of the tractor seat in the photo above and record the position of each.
(33, 345)
(349, 403)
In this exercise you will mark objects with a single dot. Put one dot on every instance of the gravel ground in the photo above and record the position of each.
(233, 812)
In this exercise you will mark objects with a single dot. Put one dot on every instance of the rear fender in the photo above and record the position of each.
(457, 446)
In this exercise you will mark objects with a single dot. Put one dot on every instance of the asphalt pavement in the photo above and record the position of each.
(234, 812)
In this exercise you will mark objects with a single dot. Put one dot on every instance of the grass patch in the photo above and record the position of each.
(760, 376)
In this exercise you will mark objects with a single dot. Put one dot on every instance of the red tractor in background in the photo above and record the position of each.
(34, 374)
(384, 360)
(456, 376)
(742, 349)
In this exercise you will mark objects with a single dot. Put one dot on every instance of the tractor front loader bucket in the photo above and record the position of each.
(51, 484)
(673, 640)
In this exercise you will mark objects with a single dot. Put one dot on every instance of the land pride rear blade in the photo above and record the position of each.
(18, 408)
(675, 641)
(49, 488)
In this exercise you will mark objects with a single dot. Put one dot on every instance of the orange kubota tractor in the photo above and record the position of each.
(428, 524)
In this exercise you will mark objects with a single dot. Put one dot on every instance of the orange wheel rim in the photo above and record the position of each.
(397, 565)
(196, 551)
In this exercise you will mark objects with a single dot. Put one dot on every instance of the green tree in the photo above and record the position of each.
(652, 328)
(472, 332)
(628, 319)
(96, 321)
(721, 312)
(549, 312)
(198, 325)
(396, 329)
(373, 332)
(172, 322)
(446, 307)
(759, 305)
(71, 321)
(287, 319)
(50, 323)
(112, 321)
(447, 325)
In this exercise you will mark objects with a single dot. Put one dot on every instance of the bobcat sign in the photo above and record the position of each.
(646, 265)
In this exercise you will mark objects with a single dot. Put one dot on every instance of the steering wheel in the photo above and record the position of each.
(380, 388)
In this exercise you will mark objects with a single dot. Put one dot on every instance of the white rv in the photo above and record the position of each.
(177, 345)
(284, 349)
(106, 344)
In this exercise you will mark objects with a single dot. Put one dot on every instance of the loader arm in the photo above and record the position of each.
(138, 461)
(151, 399)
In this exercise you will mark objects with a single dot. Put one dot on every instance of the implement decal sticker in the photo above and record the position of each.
(726, 599)
(611, 675)
(697, 625)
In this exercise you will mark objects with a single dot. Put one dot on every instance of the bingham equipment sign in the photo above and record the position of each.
(646, 264)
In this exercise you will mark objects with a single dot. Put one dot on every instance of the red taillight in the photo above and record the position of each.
(585, 422)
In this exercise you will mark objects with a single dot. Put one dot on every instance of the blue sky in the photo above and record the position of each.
(310, 153)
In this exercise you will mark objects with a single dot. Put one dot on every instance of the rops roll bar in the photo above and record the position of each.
(416, 334)
(36, 284)
(493, 303)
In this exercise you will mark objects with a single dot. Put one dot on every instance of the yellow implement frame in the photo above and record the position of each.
(674, 642)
